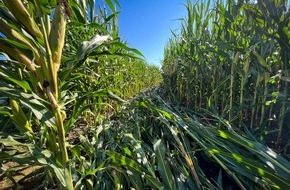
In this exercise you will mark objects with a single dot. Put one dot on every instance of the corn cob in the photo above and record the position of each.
(19, 11)
(13, 34)
(18, 56)
(19, 117)
(57, 36)
(16, 36)
(22, 58)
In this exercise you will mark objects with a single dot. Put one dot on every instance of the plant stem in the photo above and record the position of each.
(63, 148)
(241, 101)
(236, 57)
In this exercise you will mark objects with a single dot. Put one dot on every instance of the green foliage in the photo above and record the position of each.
(151, 144)
(64, 66)
(227, 59)
(65, 84)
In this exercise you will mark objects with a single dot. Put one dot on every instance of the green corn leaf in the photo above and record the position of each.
(135, 167)
(39, 107)
(87, 145)
(125, 161)
(140, 152)
(10, 141)
(115, 97)
(10, 77)
(268, 156)
(45, 5)
(88, 46)
(111, 5)
(163, 167)
(119, 45)
(23, 84)
(242, 163)
(16, 44)
(59, 173)
(262, 61)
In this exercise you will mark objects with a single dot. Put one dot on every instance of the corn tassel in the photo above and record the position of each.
(19, 117)
(19, 11)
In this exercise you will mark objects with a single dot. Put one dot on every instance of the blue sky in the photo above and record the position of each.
(146, 24)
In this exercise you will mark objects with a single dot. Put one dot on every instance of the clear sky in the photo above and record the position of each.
(146, 24)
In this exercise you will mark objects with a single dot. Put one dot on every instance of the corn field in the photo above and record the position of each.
(80, 109)
(233, 60)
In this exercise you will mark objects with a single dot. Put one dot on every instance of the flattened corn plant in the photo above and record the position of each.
(232, 58)
(55, 55)
(151, 144)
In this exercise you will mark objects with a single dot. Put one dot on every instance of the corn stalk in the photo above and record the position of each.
(44, 69)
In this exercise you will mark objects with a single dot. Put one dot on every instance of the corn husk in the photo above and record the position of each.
(57, 36)
(19, 56)
(19, 117)
(19, 11)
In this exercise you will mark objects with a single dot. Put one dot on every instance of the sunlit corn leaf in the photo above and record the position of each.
(134, 167)
(90, 25)
(163, 167)
(87, 145)
(59, 173)
(125, 161)
(12, 43)
(84, 50)
(5, 111)
(113, 96)
(38, 106)
(111, 4)
(140, 152)
(23, 84)
(119, 45)
(10, 141)
(240, 163)
(88, 46)
(255, 147)
(46, 5)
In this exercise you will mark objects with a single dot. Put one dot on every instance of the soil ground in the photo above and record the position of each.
(7, 184)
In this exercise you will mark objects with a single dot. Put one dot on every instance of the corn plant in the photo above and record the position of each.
(229, 55)
(163, 146)
(39, 45)
(49, 47)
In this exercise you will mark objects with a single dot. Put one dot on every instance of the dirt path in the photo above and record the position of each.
(17, 175)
